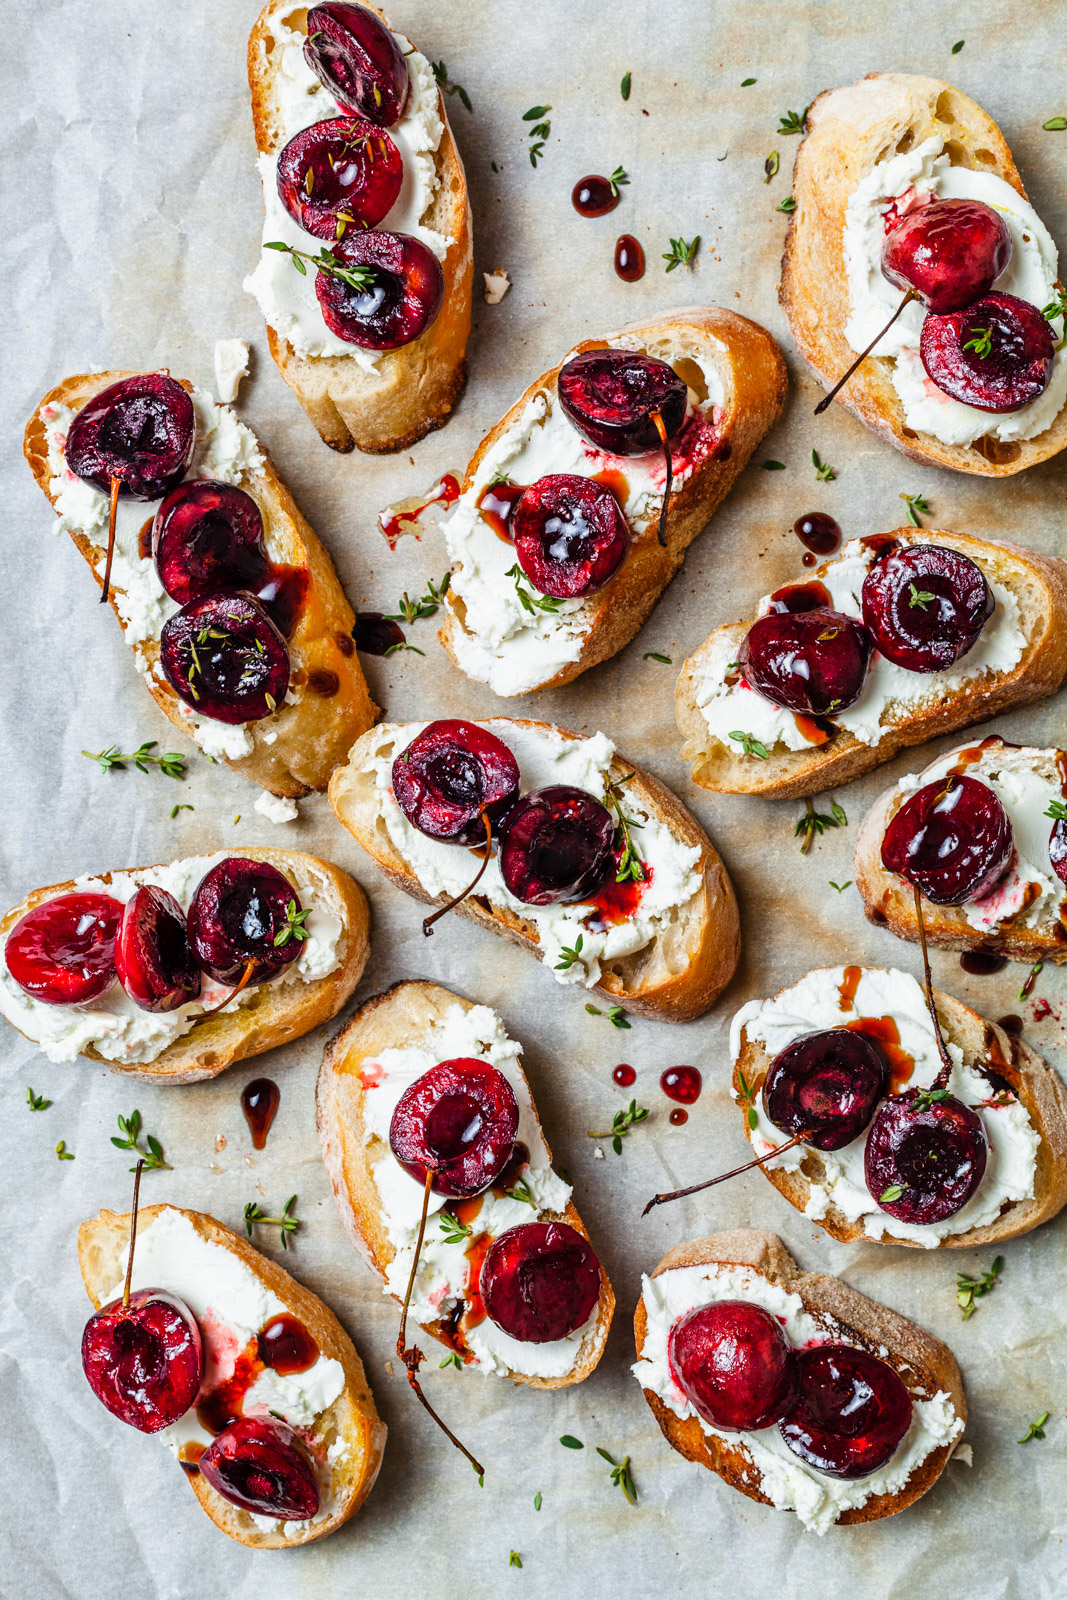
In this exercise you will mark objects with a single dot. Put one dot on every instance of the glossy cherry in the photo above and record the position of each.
(952, 839)
(223, 656)
(850, 1414)
(570, 535)
(825, 1086)
(1019, 350)
(262, 1465)
(556, 846)
(458, 1122)
(925, 1156)
(340, 174)
(610, 396)
(540, 1281)
(808, 661)
(144, 1361)
(240, 916)
(451, 775)
(140, 430)
(1057, 848)
(925, 605)
(734, 1364)
(63, 951)
(951, 252)
(353, 53)
(153, 956)
(206, 537)
(401, 293)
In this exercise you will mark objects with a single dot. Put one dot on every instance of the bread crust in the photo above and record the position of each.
(412, 390)
(312, 735)
(927, 1365)
(352, 1416)
(1038, 582)
(275, 1014)
(674, 980)
(849, 130)
(755, 382)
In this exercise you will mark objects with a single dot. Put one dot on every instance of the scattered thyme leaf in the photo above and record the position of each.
(568, 955)
(682, 253)
(1028, 986)
(624, 90)
(130, 1128)
(452, 1359)
(773, 466)
(62, 1153)
(920, 597)
(981, 342)
(840, 887)
(537, 1496)
(175, 809)
(570, 1442)
(454, 1231)
(654, 655)
(750, 745)
(823, 472)
(969, 1289)
(787, 205)
(1036, 1430)
(615, 1015)
(293, 926)
(36, 1102)
(746, 83)
(770, 166)
(619, 176)
(514, 1559)
(917, 506)
(1058, 810)
(286, 1222)
(393, 648)
(621, 1475)
(793, 121)
(535, 113)
(958, 46)
(929, 1097)
(1055, 124)
(621, 1124)
(894, 1192)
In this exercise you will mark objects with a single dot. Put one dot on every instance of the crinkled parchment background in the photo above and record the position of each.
(132, 214)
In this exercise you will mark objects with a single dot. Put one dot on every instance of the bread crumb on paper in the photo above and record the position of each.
(276, 807)
(497, 284)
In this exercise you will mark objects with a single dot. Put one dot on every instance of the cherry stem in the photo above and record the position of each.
(250, 967)
(413, 1358)
(660, 427)
(695, 1188)
(428, 922)
(116, 485)
(943, 1076)
(840, 384)
(133, 1235)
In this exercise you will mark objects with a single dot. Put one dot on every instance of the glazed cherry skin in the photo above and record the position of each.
(238, 911)
(354, 55)
(153, 956)
(261, 1464)
(570, 535)
(952, 839)
(935, 1155)
(206, 537)
(458, 1121)
(1017, 368)
(63, 951)
(609, 396)
(223, 656)
(851, 1411)
(144, 1361)
(1057, 848)
(951, 252)
(354, 168)
(140, 430)
(734, 1364)
(540, 1281)
(399, 303)
(827, 1086)
(557, 846)
(452, 774)
(925, 606)
(814, 662)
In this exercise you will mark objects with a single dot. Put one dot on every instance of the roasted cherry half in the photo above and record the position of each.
(925, 1156)
(825, 1086)
(262, 1465)
(610, 395)
(556, 846)
(353, 53)
(951, 252)
(458, 1122)
(850, 1414)
(540, 1281)
(925, 605)
(951, 839)
(400, 290)
(140, 430)
(144, 1360)
(808, 661)
(339, 174)
(208, 536)
(225, 658)
(1057, 848)
(452, 775)
(734, 1364)
(153, 956)
(996, 355)
(245, 912)
(570, 535)
(63, 951)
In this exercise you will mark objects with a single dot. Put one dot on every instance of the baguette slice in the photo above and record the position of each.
(312, 735)
(753, 375)
(352, 1417)
(412, 390)
(925, 1364)
(275, 1013)
(1037, 582)
(399, 1019)
(849, 130)
(674, 978)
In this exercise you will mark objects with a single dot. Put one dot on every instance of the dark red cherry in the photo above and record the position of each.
(353, 53)
(594, 196)
(144, 1361)
(570, 535)
(452, 774)
(925, 1157)
(540, 1281)
(997, 355)
(1057, 848)
(241, 913)
(262, 1465)
(925, 605)
(140, 430)
(951, 252)
(153, 956)
(63, 951)
(338, 175)
(734, 1364)
(826, 1086)
(850, 1414)
(808, 661)
(458, 1121)
(610, 395)
(225, 658)
(952, 839)
(208, 536)
(557, 845)
(401, 290)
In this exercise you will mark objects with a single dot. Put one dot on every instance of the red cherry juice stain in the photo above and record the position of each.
(259, 1102)
(624, 1075)
(406, 515)
(678, 1116)
(682, 1084)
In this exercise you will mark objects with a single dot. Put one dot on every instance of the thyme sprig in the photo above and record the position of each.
(171, 764)
(920, 597)
(569, 954)
(981, 342)
(1057, 809)
(788, 205)
(816, 822)
(36, 1102)
(445, 84)
(293, 927)
(793, 121)
(453, 1359)
(632, 868)
(621, 1475)
(823, 471)
(529, 601)
(621, 1124)
(1035, 1430)
(917, 507)
(615, 1015)
(930, 1097)
(521, 1190)
(454, 1231)
(358, 277)
(750, 745)
(682, 253)
(425, 606)
(130, 1128)
(538, 115)
(969, 1289)
(619, 176)
(286, 1222)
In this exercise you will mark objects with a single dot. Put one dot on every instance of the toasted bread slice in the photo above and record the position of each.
(296, 749)
(927, 1367)
(412, 390)
(745, 366)
(674, 977)
(273, 1013)
(1037, 584)
(402, 1018)
(350, 1421)
(849, 131)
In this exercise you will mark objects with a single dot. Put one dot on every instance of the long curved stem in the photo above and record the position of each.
(943, 1076)
(840, 384)
(660, 427)
(250, 967)
(133, 1235)
(428, 922)
(694, 1188)
(116, 485)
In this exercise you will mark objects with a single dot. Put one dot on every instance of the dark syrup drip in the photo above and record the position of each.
(497, 503)
(285, 1346)
(682, 1084)
(1011, 1024)
(259, 1102)
(594, 196)
(982, 963)
(375, 634)
(818, 533)
(629, 258)
(677, 1117)
(801, 597)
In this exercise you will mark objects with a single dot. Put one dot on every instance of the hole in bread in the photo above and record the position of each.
(986, 158)
(909, 433)
(943, 109)
(958, 154)
(692, 377)
(296, 20)
(997, 451)
(208, 1059)
(905, 142)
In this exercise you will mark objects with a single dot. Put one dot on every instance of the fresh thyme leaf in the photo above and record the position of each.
(750, 745)
(171, 764)
(568, 955)
(969, 1289)
(682, 253)
(393, 648)
(917, 506)
(824, 473)
(358, 277)
(838, 812)
(1055, 124)
(571, 1443)
(535, 113)
(426, 605)
(787, 205)
(894, 1192)
(840, 887)
(440, 72)
(453, 1359)
(958, 46)
(529, 601)
(454, 1231)
(981, 342)
(793, 121)
(175, 809)
(930, 1097)
(748, 1098)
(654, 655)
(619, 176)
(130, 1128)
(293, 926)
(1055, 308)
(36, 1102)
(920, 597)
(514, 1559)
(286, 1222)
(624, 90)
(62, 1152)
(521, 1191)
(1058, 810)
(620, 1475)
(746, 83)
(621, 1124)
(1036, 1430)
(773, 466)
(537, 1496)
(770, 166)
(632, 868)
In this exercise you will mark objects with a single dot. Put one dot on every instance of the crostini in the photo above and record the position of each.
(582, 446)
(170, 974)
(270, 685)
(363, 182)
(900, 638)
(734, 1343)
(634, 903)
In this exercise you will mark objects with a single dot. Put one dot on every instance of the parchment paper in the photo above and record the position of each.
(132, 215)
